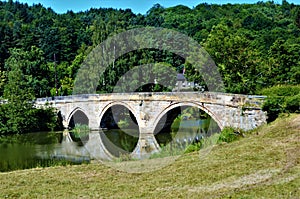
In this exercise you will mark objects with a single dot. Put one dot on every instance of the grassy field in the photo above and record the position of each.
(264, 164)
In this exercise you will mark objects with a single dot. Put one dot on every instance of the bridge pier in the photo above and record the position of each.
(96, 147)
(94, 124)
(147, 143)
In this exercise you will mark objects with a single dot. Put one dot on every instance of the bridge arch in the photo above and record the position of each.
(200, 105)
(111, 104)
(82, 117)
(128, 138)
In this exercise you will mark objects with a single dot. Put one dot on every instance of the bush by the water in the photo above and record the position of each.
(281, 99)
(14, 121)
(229, 134)
(193, 147)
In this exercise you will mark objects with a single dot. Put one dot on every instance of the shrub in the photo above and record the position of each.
(281, 99)
(292, 103)
(175, 125)
(273, 106)
(203, 143)
(229, 134)
(193, 147)
(281, 90)
(122, 124)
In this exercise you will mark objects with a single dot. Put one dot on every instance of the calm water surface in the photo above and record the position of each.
(45, 149)
(37, 149)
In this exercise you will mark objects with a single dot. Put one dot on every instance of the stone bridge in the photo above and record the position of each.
(239, 111)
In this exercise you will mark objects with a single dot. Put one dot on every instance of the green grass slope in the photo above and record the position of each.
(264, 164)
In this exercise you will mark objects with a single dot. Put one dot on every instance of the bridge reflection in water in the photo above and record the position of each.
(114, 143)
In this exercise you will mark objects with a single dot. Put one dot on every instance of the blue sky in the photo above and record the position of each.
(137, 6)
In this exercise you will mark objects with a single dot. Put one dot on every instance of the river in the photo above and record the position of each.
(43, 149)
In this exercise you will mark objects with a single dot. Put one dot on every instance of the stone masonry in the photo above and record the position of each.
(239, 111)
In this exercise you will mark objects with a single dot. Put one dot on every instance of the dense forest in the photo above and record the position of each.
(253, 45)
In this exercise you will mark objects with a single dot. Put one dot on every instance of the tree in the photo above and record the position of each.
(34, 68)
(2, 81)
(254, 45)
(19, 115)
(297, 16)
(19, 110)
(236, 60)
(283, 62)
(154, 16)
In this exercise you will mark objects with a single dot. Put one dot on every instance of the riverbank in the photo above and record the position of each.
(266, 163)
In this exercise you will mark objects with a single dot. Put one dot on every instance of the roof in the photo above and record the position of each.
(180, 77)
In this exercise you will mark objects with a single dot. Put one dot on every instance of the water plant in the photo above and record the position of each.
(122, 124)
(80, 133)
(171, 149)
(81, 130)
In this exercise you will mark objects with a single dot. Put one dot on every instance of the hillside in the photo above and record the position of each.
(254, 45)
(264, 164)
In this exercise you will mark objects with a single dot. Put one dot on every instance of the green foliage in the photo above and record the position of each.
(281, 99)
(297, 16)
(193, 147)
(273, 106)
(80, 131)
(292, 104)
(15, 118)
(281, 90)
(284, 62)
(33, 67)
(19, 111)
(176, 124)
(228, 134)
(125, 157)
(253, 45)
(203, 143)
(171, 149)
(236, 59)
(18, 115)
(80, 134)
(2, 81)
(122, 124)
